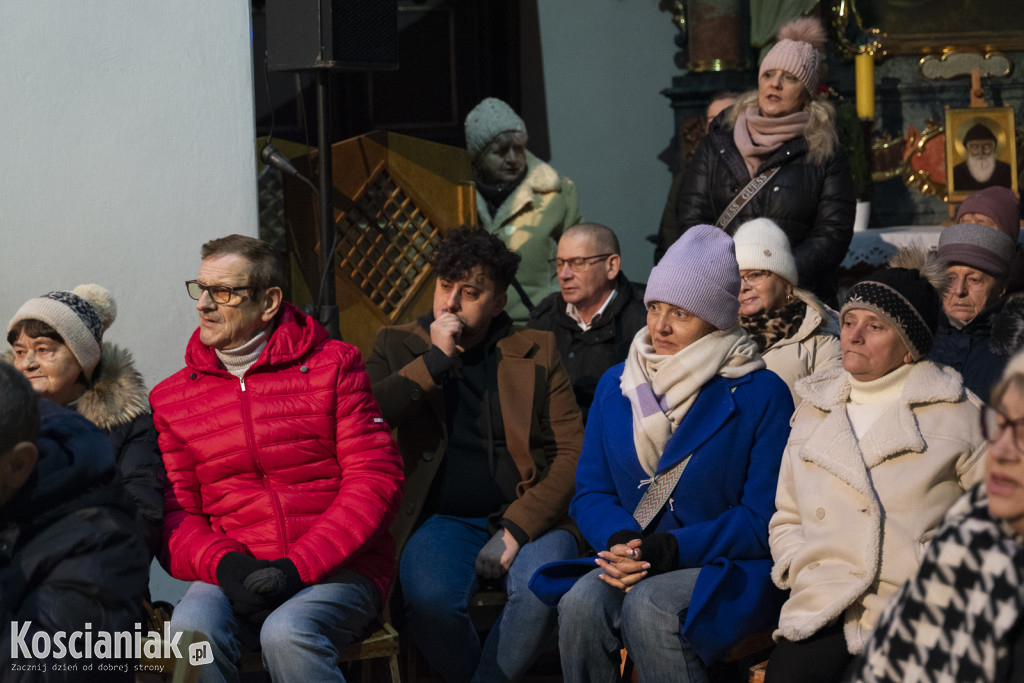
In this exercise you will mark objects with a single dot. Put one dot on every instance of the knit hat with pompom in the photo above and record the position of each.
(797, 51)
(79, 317)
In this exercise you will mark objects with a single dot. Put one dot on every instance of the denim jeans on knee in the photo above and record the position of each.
(300, 639)
(438, 575)
(595, 620)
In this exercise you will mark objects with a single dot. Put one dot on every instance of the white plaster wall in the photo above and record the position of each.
(605, 64)
(126, 129)
(127, 139)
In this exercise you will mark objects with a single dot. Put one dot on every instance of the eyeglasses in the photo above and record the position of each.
(220, 294)
(755, 277)
(576, 263)
(993, 422)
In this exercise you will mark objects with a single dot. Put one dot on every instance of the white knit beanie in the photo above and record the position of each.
(797, 51)
(761, 245)
(486, 121)
(79, 317)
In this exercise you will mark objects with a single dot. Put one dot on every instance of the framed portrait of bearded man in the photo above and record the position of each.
(980, 150)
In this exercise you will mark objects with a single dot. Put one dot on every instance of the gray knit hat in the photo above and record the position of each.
(761, 245)
(699, 274)
(977, 246)
(79, 317)
(486, 121)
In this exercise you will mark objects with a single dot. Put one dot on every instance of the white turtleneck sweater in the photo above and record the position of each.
(870, 400)
(241, 358)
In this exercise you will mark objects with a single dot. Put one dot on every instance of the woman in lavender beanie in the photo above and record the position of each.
(676, 482)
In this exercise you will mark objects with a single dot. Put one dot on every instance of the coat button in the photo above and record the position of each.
(814, 565)
(303, 369)
(775, 189)
(572, 354)
(415, 394)
(409, 508)
(192, 376)
(428, 456)
(820, 513)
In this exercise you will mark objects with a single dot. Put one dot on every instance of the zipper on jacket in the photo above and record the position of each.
(250, 438)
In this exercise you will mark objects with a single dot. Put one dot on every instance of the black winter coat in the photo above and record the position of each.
(587, 355)
(69, 550)
(972, 351)
(813, 204)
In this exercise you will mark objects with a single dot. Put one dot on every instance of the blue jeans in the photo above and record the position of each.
(596, 620)
(439, 577)
(300, 639)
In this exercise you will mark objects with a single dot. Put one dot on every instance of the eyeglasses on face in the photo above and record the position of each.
(993, 422)
(576, 263)
(755, 277)
(220, 294)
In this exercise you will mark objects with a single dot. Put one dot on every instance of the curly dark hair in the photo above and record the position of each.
(464, 249)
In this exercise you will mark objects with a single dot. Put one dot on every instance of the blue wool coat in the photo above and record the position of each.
(718, 512)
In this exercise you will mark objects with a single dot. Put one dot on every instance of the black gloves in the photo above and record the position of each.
(257, 586)
(276, 582)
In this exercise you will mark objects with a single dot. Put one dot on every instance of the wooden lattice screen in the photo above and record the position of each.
(395, 197)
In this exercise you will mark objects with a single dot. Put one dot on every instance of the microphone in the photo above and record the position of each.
(271, 157)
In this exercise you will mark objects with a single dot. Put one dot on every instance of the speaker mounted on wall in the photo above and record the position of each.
(348, 35)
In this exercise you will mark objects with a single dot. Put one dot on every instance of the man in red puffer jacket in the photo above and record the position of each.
(282, 476)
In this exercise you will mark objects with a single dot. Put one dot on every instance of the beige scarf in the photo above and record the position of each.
(661, 389)
(757, 136)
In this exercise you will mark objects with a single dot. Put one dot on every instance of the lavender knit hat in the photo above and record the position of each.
(79, 317)
(977, 246)
(486, 121)
(699, 274)
(797, 50)
(998, 203)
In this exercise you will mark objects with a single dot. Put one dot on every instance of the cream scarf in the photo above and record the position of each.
(757, 136)
(661, 389)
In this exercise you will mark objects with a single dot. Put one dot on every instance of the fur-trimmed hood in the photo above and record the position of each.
(117, 394)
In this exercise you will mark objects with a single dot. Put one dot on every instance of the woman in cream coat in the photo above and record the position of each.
(796, 334)
(879, 450)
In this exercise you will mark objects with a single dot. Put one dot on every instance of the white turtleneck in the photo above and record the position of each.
(241, 358)
(869, 400)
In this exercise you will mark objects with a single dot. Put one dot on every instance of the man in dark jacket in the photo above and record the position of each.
(977, 259)
(598, 311)
(490, 433)
(70, 557)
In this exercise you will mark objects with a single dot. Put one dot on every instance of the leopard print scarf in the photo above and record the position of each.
(768, 327)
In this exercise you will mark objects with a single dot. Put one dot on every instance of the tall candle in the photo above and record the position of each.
(864, 63)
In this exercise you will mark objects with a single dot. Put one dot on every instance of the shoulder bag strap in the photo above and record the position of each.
(745, 195)
(661, 487)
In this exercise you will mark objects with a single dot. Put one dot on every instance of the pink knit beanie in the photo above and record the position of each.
(999, 204)
(699, 274)
(797, 50)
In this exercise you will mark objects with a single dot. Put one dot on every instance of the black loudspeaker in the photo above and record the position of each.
(332, 34)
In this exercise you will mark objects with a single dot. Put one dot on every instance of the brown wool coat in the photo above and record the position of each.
(543, 426)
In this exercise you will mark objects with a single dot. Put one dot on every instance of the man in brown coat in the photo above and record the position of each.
(490, 432)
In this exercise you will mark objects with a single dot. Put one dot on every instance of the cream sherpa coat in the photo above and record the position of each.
(853, 519)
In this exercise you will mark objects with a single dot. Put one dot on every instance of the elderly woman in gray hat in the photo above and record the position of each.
(520, 199)
(977, 333)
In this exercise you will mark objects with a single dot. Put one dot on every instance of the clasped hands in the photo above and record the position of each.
(254, 586)
(623, 565)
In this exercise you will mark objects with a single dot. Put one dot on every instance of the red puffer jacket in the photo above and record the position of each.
(292, 461)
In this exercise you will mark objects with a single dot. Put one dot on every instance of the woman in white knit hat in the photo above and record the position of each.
(777, 150)
(796, 334)
(58, 345)
(520, 199)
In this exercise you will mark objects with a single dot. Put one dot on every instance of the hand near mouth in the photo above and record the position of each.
(446, 332)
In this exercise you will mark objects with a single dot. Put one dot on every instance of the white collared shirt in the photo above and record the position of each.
(570, 310)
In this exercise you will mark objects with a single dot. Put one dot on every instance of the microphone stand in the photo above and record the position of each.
(327, 312)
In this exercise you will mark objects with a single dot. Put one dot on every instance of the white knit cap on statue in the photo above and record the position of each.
(79, 317)
(486, 121)
(761, 245)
